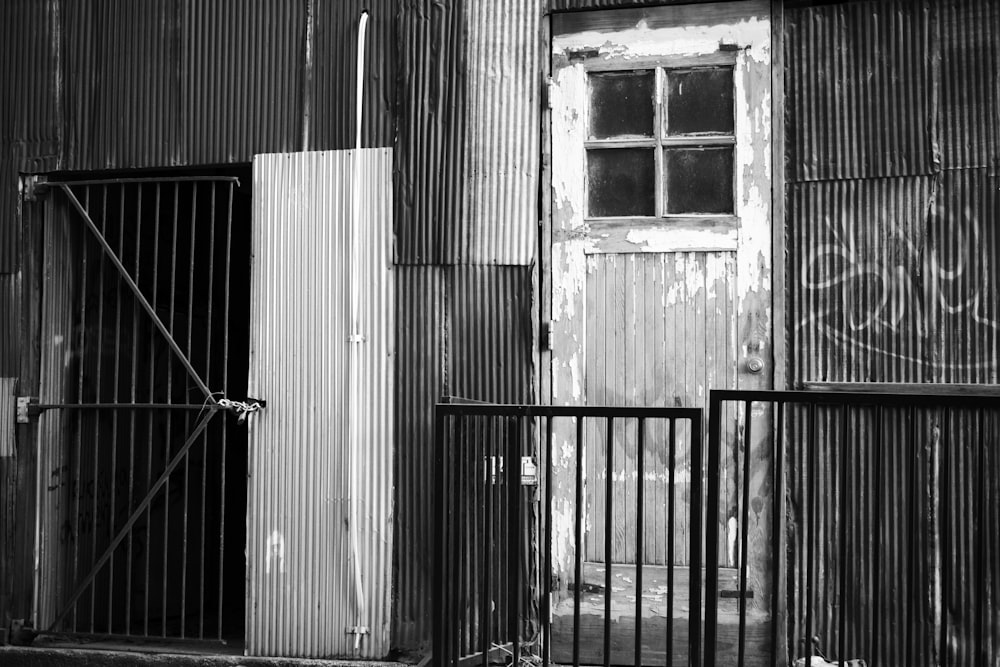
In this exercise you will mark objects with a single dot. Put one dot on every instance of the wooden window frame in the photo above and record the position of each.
(660, 140)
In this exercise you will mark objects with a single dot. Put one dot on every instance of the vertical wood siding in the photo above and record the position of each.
(660, 330)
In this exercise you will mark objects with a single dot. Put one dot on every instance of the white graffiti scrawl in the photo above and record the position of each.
(872, 289)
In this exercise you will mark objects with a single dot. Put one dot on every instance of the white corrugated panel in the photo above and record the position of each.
(302, 595)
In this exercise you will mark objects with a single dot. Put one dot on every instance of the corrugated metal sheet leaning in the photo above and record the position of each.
(301, 586)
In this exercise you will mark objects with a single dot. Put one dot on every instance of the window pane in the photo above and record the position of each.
(699, 180)
(621, 104)
(700, 100)
(620, 181)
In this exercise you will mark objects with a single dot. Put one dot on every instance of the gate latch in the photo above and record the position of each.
(27, 407)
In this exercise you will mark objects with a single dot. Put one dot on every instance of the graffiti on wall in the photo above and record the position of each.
(906, 296)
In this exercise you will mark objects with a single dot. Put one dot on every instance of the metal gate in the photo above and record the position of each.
(143, 338)
(512, 585)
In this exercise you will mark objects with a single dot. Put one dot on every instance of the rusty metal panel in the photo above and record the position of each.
(120, 75)
(430, 126)
(463, 331)
(503, 118)
(858, 85)
(325, 439)
(911, 524)
(10, 222)
(970, 83)
(10, 317)
(28, 59)
(331, 111)
(489, 333)
(420, 377)
(894, 280)
(241, 66)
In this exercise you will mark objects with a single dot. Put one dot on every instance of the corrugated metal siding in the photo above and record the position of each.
(58, 290)
(420, 383)
(489, 333)
(430, 132)
(28, 57)
(10, 316)
(301, 600)
(331, 114)
(859, 284)
(120, 72)
(891, 526)
(241, 65)
(970, 83)
(503, 119)
(858, 85)
(10, 223)
(464, 331)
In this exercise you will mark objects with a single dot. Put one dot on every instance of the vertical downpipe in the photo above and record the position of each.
(355, 339)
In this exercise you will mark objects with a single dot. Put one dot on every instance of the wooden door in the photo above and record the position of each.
(660, 255)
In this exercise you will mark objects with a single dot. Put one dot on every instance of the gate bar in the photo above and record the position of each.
(123, 531)
(138, 294)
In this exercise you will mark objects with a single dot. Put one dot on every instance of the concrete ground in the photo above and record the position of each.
(59, 656)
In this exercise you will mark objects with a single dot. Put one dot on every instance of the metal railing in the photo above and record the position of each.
(883, 546)
(495, 593)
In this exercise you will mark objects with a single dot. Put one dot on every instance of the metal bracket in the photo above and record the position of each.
(35, 186)
(356, 630)
(27, 407)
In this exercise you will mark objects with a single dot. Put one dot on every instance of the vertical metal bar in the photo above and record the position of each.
(546, 621)
(440, 611)
(225, 391)
(640, 484)
(187, 420)
(114, 414)
(946, 554)
(711, 528)
(208, 378)
(877, 532)
(776, 504)
(671, 481)
(608, 512)
(170, 399)
(131, 439)
(152, 399)
(578, 546)
(745, 530)
(810, 530)
(488, 542)
(513, 469)
(842, 459)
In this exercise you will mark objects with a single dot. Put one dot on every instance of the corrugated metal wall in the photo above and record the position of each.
(892, 195)
(892, 203)
(301, 584)
(107, 84)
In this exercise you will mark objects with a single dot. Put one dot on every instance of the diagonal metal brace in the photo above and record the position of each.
(135, 290)
(123, 531)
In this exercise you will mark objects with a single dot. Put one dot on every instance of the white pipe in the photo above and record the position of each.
(356, 338)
